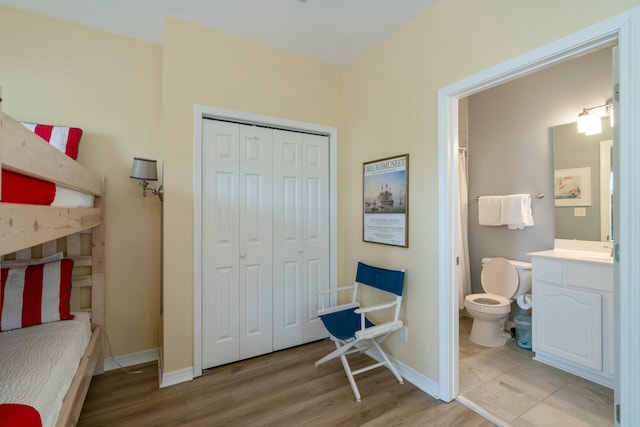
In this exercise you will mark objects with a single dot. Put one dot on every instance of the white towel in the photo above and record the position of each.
(489, 210)
(516, 211)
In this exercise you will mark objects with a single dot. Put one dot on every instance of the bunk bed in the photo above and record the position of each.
(30, 232)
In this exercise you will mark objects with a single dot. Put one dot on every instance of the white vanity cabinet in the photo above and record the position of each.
(573, 315)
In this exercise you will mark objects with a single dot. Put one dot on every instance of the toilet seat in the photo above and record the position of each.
(488, 303)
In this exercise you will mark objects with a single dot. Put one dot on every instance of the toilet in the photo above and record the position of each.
(503, 281)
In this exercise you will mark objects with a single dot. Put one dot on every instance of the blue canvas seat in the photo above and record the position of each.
(352, 331)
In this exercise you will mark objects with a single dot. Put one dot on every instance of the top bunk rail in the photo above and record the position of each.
(24, 152)
(23, 226)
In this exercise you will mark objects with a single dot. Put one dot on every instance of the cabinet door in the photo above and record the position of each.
(568, 324)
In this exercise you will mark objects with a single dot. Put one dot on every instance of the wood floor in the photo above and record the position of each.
(280, 389)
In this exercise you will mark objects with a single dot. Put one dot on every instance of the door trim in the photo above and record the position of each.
(625, 30)
(201, 112)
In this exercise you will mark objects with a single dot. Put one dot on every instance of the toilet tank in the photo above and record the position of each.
(524, 275)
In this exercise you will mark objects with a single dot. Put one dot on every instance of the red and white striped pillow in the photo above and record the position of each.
(65, 139)
(35, 294)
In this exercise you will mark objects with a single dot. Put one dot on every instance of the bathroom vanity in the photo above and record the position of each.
(572, 289)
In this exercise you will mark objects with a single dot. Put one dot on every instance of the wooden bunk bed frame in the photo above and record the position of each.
(29, 231)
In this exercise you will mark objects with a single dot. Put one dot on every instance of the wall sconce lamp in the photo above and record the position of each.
(146, 170)
(591, 124)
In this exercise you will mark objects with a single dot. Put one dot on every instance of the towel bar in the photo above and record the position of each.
(537, 196)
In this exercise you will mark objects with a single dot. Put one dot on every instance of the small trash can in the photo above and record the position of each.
(523, 331)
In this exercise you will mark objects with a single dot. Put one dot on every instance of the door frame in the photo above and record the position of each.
(625, 30)
(201, 112)
(606, 148)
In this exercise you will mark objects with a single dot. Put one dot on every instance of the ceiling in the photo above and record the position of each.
(332, 31)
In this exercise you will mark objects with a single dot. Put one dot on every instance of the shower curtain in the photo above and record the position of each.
(463, 272)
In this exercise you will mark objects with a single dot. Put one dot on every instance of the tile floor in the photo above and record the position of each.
(512, 389)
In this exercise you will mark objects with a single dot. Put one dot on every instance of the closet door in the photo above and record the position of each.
(256, 245)
(301, 235)
(236, 242)
(315, 231)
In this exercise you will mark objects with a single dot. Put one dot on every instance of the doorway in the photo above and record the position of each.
(621, 29)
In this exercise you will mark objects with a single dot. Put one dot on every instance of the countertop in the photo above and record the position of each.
(582, 256)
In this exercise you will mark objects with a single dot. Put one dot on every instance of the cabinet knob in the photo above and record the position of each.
(242, 255)
(300, 251)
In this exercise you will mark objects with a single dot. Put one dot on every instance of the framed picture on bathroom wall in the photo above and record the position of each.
(385, 201)
(572, 187)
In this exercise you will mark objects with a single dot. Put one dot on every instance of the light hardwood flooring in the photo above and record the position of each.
(511, 388)
(279, 389)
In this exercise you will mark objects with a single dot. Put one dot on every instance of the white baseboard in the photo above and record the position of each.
(424, 383)
(419, 380)
(131, 359)
(176, 377)
(167, 379)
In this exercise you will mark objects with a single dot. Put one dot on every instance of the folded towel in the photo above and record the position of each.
(516, 211)
(489, 210)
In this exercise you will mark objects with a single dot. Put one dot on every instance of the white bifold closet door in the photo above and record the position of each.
(265, 243)
(300, 236)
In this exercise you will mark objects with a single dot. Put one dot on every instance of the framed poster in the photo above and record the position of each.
(385, 197)
(572, 187)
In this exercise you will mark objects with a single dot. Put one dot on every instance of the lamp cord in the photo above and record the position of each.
(115, 360)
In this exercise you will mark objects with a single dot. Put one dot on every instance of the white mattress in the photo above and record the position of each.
(65, 197)
(37, 364)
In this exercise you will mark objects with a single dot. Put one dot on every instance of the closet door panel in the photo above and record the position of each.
(315, 175)
(256, 242)
(291, 307)
(222, 343)
(255, 313)
(288, 240)
(220, 244)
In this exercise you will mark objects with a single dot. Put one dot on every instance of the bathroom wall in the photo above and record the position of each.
(511, 149)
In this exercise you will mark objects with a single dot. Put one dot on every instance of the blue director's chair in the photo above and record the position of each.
(350, 328)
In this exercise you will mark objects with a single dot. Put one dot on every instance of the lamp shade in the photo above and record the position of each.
(144, 169)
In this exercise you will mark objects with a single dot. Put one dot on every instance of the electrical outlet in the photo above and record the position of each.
(404, 333)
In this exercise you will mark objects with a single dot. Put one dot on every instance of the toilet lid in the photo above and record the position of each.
(500, 277)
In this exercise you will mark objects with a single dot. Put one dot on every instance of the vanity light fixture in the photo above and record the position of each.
(591, 124)
(146, 170)
(588, 123)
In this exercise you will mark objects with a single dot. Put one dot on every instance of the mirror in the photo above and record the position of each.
(583, 183)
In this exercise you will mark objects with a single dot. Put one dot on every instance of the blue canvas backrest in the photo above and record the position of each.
(387, 280)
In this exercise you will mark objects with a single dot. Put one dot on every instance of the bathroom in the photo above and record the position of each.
(508, 132)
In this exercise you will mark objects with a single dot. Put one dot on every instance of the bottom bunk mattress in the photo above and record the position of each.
(37, 364)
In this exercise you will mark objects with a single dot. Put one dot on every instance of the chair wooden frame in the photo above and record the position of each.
(351, 330)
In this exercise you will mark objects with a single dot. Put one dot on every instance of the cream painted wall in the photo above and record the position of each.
(60, 73)
(390, 108)
(206, 67)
